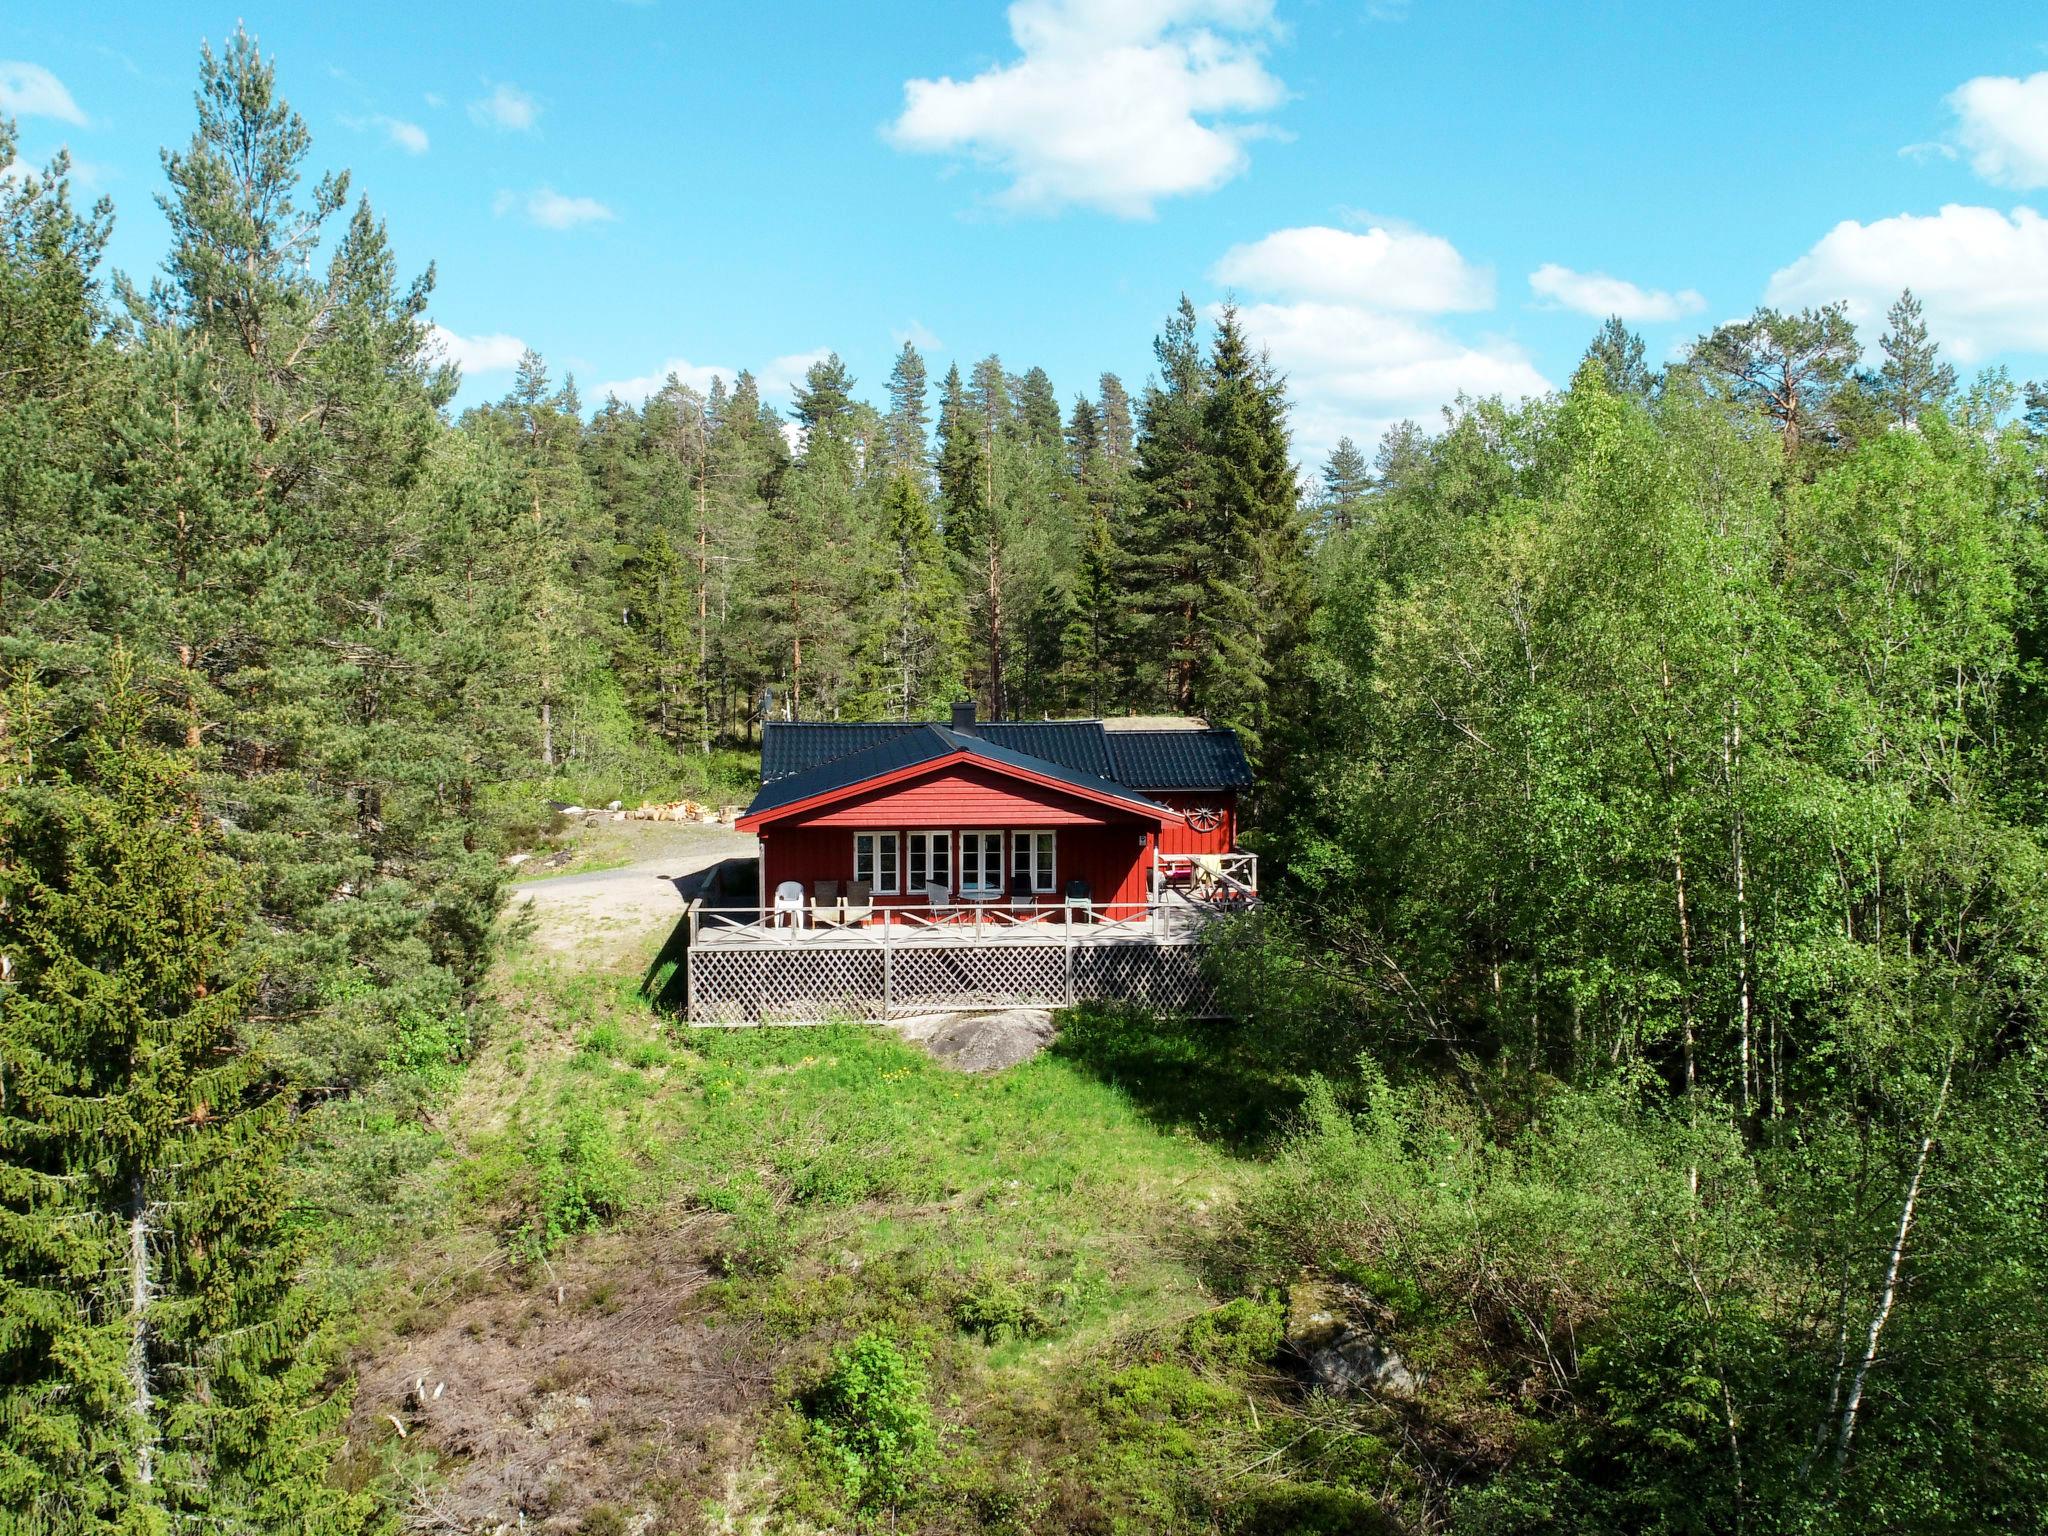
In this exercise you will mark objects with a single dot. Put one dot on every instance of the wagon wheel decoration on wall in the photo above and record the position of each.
(1204, 818)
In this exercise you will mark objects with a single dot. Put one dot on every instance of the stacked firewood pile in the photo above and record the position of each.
(674, 810)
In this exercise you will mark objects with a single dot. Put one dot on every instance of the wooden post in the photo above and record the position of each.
(1068, 946)
(888, 981)
(690, 964)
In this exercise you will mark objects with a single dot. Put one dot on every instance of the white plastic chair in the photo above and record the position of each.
(789, 904)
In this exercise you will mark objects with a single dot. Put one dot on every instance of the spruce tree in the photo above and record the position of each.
(159, 1363)
(1174, 550)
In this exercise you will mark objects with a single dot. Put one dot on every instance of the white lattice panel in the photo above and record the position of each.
(924, 978)
(803, 982)
(734, 986)
(1167, 977)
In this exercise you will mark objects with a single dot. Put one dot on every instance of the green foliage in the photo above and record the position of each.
(583, 1179)
(159, 1359)
(871, 1421)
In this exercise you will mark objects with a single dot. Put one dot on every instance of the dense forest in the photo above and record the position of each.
(1652, 791)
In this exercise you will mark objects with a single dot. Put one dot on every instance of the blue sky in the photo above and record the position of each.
(1408, 198)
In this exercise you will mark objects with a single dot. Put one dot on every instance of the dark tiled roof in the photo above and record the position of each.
(1211, 759)
(901, 747)
(1076, 743)
(791, 747)
(904, 746)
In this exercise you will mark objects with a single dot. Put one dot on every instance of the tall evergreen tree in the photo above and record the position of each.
(159, 1366)
(909, 449)
(1913, 379)
(1795, 369)
(1173, 547)
(1619, 352)
(1119, 430)
(1346, 486)
(1038, 409)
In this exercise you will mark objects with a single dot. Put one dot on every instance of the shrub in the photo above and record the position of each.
(994, 1309)
(871, 1422)
(585, 1181)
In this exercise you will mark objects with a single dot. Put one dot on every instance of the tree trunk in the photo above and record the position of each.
(1882, 1315)
(143, 1402)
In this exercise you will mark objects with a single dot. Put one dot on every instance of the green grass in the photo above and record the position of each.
(1035, 1238)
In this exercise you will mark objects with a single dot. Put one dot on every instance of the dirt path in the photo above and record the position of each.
(602, 914)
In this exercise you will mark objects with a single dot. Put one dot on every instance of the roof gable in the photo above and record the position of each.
(906, 753)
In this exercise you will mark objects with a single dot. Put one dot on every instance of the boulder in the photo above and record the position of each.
(1356, 1362)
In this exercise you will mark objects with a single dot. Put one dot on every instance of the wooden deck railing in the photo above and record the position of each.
(1176, 918)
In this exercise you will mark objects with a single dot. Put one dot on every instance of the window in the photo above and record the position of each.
(1031, 858)
(981, 863)
(874, 860)
(931, 860)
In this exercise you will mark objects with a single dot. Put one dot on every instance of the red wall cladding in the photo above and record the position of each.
(1109, 858)
(1176, 836)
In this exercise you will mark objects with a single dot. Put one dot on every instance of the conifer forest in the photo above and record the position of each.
(1642, 1034)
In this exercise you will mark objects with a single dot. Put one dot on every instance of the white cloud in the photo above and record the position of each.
(29, 90)
(2003, 125)
(1598, 295)
(1344, 316)
(1387, 267)
(496, 353)
(1112, 104)
(507, 108)
(697, 376)
(1982, 275)
(410, 137)
(919, 337)
(1358, 371)
(551, 209)
(435, 100)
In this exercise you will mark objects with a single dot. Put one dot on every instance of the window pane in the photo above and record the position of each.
(918, 868)
(863, 856)
(887, 868)
(1042, 868)
(942, 858)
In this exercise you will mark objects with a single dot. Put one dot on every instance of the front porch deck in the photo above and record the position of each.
(743, 968)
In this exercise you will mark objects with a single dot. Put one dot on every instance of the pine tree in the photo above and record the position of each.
(909, 417)
(1346, 486)
(1913, 379)
(159, 1366)
(824, 401)
(1113, 406)
(1038, 409)
(1619, 352)
(1795, 369)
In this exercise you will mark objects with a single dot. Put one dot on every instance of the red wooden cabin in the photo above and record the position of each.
(1022, 813)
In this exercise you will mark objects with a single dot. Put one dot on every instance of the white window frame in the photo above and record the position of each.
(936, 848)
(877, 864)
(985, 886)
(1044, 872)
